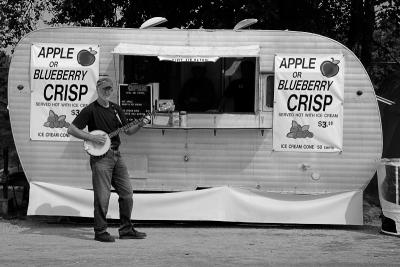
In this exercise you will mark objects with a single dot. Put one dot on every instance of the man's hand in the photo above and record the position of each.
(136, 127)
(98, 138)
(146, 120)
(78, 133)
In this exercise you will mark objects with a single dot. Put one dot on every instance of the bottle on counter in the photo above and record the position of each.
(183, 118)
(175, 118)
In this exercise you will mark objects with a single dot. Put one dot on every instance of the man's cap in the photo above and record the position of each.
(104, 82)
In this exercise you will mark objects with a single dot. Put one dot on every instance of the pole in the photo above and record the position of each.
(397, 184)
(5, 172)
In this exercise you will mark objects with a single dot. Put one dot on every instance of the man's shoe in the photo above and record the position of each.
(104, 237)
(133, 235)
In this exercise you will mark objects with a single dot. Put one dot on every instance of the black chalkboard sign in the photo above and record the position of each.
(135, 100)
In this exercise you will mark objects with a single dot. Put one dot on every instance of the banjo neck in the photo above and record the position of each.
(123, 128)
(128, 125)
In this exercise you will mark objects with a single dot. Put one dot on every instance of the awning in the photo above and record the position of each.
(187, 53)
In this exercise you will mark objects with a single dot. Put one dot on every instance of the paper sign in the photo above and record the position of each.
(188, 58)
(308, 103)
(63, 81)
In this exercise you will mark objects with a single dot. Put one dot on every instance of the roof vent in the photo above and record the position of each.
(152, 22)
(244, 23)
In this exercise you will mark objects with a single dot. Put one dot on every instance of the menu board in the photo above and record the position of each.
(135, 100)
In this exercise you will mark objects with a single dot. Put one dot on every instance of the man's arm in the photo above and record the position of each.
(135, 128)
(78, 133)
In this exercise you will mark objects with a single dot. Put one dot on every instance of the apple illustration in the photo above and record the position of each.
(330, 68)
(85, 57)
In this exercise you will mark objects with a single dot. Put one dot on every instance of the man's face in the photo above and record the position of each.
(105, 93)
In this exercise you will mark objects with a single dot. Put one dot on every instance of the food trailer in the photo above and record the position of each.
(289, 131)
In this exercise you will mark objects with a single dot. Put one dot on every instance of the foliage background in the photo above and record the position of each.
(370, 28)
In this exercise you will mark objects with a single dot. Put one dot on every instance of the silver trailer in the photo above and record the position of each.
(221, 152)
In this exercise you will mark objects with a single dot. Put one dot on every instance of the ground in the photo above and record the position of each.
(63, 241)
(33, 242)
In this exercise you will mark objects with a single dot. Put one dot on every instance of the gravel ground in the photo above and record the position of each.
(46, 241)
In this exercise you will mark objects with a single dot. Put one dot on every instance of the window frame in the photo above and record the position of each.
(264, 92)
(222, 120)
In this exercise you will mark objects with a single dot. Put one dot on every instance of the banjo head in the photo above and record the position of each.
(96, 149)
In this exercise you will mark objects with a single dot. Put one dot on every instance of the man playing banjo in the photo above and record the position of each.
(108, 169)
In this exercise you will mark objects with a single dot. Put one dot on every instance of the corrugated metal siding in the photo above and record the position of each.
(236, 157)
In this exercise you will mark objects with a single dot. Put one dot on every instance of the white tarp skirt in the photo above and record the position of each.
(225, 204)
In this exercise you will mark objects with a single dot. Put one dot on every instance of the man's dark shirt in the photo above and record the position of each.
(97, 117)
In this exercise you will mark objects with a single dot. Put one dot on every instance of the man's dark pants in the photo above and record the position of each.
(110, 170)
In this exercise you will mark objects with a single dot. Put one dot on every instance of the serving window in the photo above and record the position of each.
(198, 85)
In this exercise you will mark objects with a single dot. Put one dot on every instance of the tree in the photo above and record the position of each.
(361, 28)
(6, 138)
(386, 41)
(4, 66)
(17, 19)
(100, 13)
(370, 28)
(216, 14)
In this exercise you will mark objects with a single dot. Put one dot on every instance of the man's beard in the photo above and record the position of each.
(105, 98)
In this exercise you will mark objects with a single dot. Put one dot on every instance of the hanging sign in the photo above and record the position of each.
(189, 58)
(135, 100)
(63, 81)
(308, 103)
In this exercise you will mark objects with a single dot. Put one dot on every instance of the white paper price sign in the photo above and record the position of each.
(63, 81)
(308, 103)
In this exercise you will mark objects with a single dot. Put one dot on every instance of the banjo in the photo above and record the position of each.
(96, 149)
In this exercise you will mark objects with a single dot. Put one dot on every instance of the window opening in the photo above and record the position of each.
(227, 85)
(269, 91)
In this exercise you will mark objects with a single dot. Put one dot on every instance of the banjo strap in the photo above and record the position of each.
(116, 114)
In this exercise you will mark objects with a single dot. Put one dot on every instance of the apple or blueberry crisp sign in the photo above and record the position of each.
(63, 81)
(308, 103)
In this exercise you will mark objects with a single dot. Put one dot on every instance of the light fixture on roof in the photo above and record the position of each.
(244, 23)
(152, 22)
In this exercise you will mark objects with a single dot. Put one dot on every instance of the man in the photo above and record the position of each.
(107, 170)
